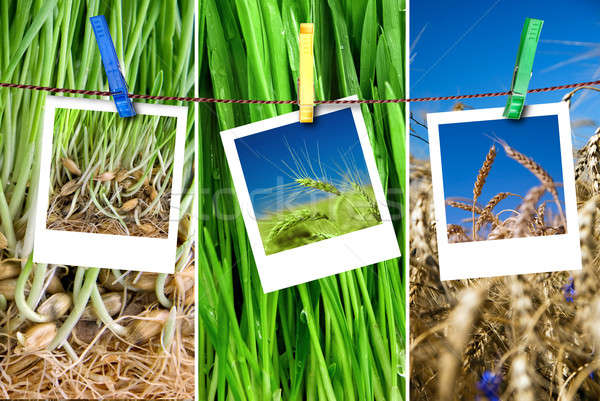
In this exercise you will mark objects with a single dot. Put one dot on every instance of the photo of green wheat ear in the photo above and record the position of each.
(341, 337)
(80, 332)
(313, 185)
(111, 175)
(340, 213)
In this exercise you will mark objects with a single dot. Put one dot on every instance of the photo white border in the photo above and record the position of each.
(157, 255)
(327, 257)
(508, 256)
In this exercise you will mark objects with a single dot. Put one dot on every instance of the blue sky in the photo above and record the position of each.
(471, 47)
(465, 145)
(323, 149)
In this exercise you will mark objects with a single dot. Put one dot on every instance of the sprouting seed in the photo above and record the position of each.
(56, 306)
(71, 166)
(69, 188)
(9, 268)
(55, 286)
(152, 193)
(147, 228)
(150, 326)
(37, 336)
(7, 288)
(106, 176)
(113, 302)
(130, 205)
(121, 175)
(3, 241)
(145, 282)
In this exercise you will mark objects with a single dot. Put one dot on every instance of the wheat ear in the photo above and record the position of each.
(484, 171)
(592, 150)
(527, 209)
(318, 185)
(536, 170)
(465, 206)
(487, 214)
(292, 220)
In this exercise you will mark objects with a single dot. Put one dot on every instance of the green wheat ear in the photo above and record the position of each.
(292, 220)
(320, 185)
(373, 209)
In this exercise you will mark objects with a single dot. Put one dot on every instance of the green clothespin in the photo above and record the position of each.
(523, 67)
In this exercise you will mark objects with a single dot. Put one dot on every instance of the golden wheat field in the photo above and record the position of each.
(529, 337)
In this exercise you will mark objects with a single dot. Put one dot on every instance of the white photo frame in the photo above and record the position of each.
(506, 256)
(326, 257)
(157, 255)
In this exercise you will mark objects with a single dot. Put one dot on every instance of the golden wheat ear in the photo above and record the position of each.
(482, 175)
(537, 170)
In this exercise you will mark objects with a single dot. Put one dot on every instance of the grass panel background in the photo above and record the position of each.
(341, 337)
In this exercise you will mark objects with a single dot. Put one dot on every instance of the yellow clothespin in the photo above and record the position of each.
(306, 88)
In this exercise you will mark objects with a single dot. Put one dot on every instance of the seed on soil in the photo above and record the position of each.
(56, 306)
(71, 166)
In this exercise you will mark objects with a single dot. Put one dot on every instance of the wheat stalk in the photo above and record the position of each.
(460, 325)
(293, 219)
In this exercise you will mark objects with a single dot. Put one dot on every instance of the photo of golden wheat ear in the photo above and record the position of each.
(528, 337)
(489, 221)
(111, 175)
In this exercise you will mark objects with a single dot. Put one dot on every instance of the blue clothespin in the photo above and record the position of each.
(116, 81)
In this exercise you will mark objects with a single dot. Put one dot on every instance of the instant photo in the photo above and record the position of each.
(504, 192)
(110, 187)
(310, 196)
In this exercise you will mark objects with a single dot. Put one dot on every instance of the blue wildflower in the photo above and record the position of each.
(489, 385)
(569, 290)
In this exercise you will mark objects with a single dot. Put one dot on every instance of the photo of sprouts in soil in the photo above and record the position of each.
(111, 175)
(509, 182)
(308, 182)
(75, 331)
